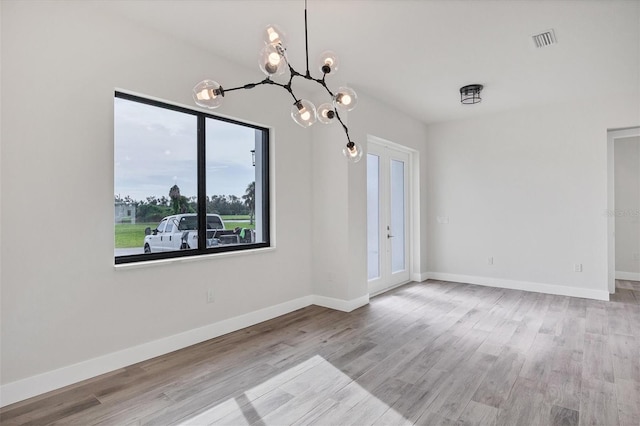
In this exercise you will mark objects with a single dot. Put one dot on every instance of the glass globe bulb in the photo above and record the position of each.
(326, 114)
(353, 152)
(273, 34)
(303, 112)
(328, 63)
(345, 98)
(271, 60)
(208, 94)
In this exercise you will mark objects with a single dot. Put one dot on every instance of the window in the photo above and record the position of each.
(178, 171)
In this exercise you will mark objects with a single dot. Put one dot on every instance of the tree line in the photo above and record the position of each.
(153, 209)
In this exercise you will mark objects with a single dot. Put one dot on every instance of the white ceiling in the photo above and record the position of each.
(415, 55)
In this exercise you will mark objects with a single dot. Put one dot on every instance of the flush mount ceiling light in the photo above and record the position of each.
(471, 94)
(273, 61)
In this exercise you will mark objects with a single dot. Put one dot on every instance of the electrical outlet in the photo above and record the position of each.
(577, 267)
(490, 260)
(443, 220)
(210, 296)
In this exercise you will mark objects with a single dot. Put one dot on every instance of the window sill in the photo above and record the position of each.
(190, 259)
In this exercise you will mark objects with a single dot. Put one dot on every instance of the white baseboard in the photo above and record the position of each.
(523, 285)
(628, 276)
(419, 276)
(55, 379)
(384, 290)
(51, 380)
(339, 304)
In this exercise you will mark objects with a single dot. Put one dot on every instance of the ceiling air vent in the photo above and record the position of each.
(544, 39)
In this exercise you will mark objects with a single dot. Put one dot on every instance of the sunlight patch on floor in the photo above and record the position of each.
(312, 391)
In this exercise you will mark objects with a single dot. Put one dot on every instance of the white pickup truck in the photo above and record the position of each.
(180, 232)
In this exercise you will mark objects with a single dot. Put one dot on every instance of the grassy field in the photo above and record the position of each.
(129, 235)
(235, 217)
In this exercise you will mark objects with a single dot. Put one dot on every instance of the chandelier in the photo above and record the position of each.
(273, 61)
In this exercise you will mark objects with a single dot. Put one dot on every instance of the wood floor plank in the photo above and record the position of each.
(525, 406)
(369, 409)
(625, 356)
(536, 365)
(526, 333)
(596, 320)
(420, 396)
(298, 407)
(250, 412)
(53, 414)
(598, 362)
(561, 416)
(598, 405)
(454, 398)
(496, 386)
(628, 399)
(430, 419)
(477, 414)
(619, 318)
(315, 414)
(392, 418)
(425, 353)
(499, 337)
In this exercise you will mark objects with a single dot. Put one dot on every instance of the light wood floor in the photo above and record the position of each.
(431, 353)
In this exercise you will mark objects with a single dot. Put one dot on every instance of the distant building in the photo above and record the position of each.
(125, 213)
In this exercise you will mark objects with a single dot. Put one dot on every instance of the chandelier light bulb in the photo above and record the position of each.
(275, 35)
(303, 112)
(346, 98)
(326, 114)
(274, 59)
(328, 62)
(271, 60)
(208, 94)
(353, 152)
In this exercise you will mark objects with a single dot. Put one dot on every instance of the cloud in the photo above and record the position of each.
(156, 148)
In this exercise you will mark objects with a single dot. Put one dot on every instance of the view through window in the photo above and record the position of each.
(178, 171)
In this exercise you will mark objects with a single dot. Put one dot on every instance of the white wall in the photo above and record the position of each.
(62, 300)
(376, 119)
(339, 198)
(67, 313)
(627, 207)
(528, 188)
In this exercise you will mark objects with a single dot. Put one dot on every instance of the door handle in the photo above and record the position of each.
(390, 236)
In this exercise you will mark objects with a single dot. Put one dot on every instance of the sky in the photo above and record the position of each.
(156, 148)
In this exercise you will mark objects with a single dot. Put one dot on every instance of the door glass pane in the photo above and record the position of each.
(155, 176)
(373, 216)
(397, 216)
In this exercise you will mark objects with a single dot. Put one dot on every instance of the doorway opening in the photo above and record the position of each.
(390, 186)
(623, 205)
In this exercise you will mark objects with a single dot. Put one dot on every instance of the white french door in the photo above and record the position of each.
(387, 217)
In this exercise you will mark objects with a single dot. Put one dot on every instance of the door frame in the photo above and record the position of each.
(612, 135)
(413, 209)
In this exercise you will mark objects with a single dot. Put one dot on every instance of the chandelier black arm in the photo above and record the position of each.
(292, 74)
(246, 86)
(346, 130)
(322, 83)
(265, 81)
